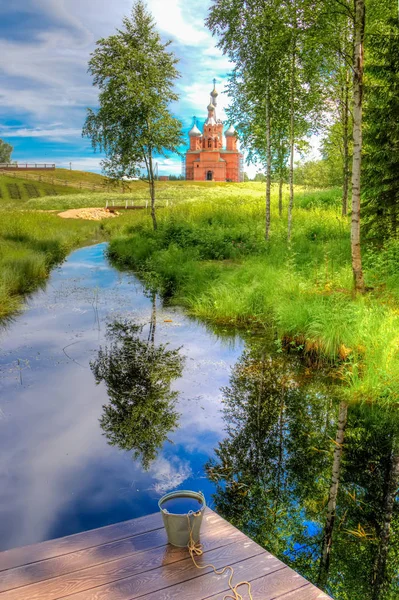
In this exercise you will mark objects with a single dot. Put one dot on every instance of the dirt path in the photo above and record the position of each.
(89, 214)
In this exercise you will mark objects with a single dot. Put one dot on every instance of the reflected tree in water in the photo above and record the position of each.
(138, 376)
(313, 480)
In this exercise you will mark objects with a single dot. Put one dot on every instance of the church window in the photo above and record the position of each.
(209, 143)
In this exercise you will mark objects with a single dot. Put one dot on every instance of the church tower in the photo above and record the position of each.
(207, 159)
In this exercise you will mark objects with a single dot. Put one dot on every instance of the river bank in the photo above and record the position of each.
(211, 257)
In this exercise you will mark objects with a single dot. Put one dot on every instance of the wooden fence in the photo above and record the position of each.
(27, 166)
(56, 181)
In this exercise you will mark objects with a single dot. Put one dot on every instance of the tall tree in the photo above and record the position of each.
(135, 74)
(274, 67)
(358, 67)
(5, 152)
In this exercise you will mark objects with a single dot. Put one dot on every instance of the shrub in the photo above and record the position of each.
(14, 191)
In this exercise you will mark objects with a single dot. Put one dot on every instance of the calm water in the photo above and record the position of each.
(181, 505)
(99, 418)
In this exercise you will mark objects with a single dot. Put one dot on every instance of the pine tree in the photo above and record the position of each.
(381, 138)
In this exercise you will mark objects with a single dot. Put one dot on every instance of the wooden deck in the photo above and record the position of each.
(133, 560)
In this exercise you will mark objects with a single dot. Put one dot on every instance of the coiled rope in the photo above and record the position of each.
(195, 549)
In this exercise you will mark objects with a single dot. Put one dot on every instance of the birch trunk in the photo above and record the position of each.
(345, 123)
(292, 129)
(152, 192)
(332, 497)
(153, 320)
(268, 161)
(280, 197)
(357, 143)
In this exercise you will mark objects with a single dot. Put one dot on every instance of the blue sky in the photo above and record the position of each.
(44, 85)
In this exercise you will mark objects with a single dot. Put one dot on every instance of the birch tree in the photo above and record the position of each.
(333, 494)
(135, 74)
(358, 67)
(250, 34)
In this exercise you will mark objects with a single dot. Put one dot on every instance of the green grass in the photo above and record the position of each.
(16, 191)
(211, 257)
(75, 177)
(31, 243)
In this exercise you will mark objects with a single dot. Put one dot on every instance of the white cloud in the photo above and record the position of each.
(44, 79)
(170, 19)
(169, 474)
(58, 133)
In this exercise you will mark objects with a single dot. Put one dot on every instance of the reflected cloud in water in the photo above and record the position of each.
(58, 473)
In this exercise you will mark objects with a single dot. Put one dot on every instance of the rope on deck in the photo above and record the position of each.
(195, 549)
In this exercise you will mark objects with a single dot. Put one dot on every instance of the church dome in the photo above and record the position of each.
(210, 107)
(230, 132)
(214, 93)
(194, 131)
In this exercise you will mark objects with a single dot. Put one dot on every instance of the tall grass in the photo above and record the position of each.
(211, 256)
(30, 244)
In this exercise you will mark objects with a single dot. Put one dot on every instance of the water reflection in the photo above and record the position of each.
(138, 375)
(313, 480)
(58, 473)
(299, 471)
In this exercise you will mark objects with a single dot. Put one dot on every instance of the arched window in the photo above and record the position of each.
(209, 143)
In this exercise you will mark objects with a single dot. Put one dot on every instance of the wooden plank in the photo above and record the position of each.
(116, 568)
(166, 575)
(282, 583)
(82, 559)
(307, 592)
(210, 584)
(269, 586)
(28, 554)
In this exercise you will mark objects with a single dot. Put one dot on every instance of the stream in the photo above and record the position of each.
(109, 399)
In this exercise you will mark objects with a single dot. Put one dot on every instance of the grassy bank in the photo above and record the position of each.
(32, 242)
(211, 257)
(17, 191)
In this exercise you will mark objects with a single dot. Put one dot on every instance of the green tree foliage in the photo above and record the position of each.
(135, 74)
(336, 157)
(5, 152)
(276, 85)
(381, 139)
(318, 173)
(138, 375)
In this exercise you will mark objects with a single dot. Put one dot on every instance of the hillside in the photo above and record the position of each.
(77, 177)
(17, 190)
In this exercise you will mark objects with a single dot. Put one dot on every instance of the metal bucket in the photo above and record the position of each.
(178, 526)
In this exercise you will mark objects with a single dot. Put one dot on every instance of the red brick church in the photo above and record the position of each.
(207, 159)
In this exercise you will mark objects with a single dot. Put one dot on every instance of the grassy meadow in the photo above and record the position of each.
(209, 255)
(33, 238)
(16, 191)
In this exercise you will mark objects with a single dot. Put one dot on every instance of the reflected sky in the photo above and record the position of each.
(59, 476)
